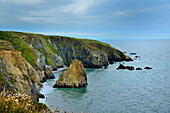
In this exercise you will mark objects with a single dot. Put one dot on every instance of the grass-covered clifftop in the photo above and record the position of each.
(59, 50)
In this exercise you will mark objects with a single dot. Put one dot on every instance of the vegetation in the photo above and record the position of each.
(19, 45)
(20, 103)
(3, 80)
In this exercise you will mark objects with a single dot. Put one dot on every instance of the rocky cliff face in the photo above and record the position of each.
(113, 54)
(74, 76)
(57, 51)
(16, 73)
(71, 49)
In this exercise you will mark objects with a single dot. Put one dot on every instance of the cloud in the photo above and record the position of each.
(134, 11)
(73, 13)
(23, 2)
(60, 19)
(80, 7)
(71, 33)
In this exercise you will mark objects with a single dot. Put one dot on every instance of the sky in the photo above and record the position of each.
(93, 19)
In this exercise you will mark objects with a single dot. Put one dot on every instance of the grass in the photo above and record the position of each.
(19, 45)
(25, 77)
(20, 103)
(2, 78)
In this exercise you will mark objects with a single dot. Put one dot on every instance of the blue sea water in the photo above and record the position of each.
(120, 91)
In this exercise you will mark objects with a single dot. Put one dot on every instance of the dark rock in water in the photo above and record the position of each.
(138, 68)
(124, 52)
(41, 96)
(121, 66)
(111, 62)
(74, 76)
(132, 53)
(148, 67)
(137, 57)
(130, 68)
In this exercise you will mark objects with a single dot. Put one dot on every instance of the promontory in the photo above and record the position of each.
(27, 59)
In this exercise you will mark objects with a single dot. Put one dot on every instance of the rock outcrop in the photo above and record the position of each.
(121, 66)
(48, 73)
(74, 76)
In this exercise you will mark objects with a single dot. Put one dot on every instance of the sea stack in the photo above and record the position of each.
(74, 77)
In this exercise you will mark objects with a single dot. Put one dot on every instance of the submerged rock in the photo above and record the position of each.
(74, 76)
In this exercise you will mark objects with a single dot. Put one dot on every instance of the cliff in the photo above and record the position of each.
(57, 51)
(16, 73)
(21, 79)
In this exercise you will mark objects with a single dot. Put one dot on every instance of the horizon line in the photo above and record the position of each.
(87, 37)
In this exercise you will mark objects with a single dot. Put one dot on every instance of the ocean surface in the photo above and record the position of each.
(120, 91)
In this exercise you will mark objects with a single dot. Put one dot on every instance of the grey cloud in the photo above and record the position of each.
(23, 2)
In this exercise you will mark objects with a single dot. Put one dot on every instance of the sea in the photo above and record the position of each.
(119, 91)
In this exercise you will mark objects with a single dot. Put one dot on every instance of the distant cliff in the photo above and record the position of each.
(57, 51)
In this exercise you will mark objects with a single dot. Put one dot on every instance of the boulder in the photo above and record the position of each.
(73, 77)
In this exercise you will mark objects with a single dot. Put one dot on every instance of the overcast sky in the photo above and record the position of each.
(97, 19)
